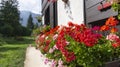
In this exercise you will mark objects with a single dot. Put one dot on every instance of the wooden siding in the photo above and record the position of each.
(93, 14)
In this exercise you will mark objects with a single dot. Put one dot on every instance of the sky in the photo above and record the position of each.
(30, 5)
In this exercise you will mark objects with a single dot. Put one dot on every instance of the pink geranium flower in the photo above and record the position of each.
(46, 60)
(51, 50)
(60, 63)
(53, 63)
(55, 47)
(112, 37)
(55, 36)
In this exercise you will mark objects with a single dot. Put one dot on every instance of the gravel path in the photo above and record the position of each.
(34, 58)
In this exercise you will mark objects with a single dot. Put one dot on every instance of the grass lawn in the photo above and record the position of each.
(12, 51)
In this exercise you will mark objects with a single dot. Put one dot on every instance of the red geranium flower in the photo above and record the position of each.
(115, 45)
(70, 24)
(47, 43)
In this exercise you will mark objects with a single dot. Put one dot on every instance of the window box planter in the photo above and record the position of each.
(115, 63)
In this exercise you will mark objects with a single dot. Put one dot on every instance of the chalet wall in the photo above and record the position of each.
(74, 12)
(43, 20)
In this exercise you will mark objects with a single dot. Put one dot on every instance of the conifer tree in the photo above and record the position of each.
(30, 24)
(9, 18)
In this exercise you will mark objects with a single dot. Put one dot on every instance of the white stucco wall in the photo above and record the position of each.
(43, 20)
(64, 15)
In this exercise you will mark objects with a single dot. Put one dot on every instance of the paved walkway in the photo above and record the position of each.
(34, 58)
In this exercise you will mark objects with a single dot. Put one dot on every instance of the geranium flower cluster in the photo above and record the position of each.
(110, 24)
(53, 63)
(89, 38)
(115, 40)
(52, 31)
(61, 43)
(64, 44)
(82, 34)
(42, 38)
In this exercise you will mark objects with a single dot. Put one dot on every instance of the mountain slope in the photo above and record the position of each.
(24, 17)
